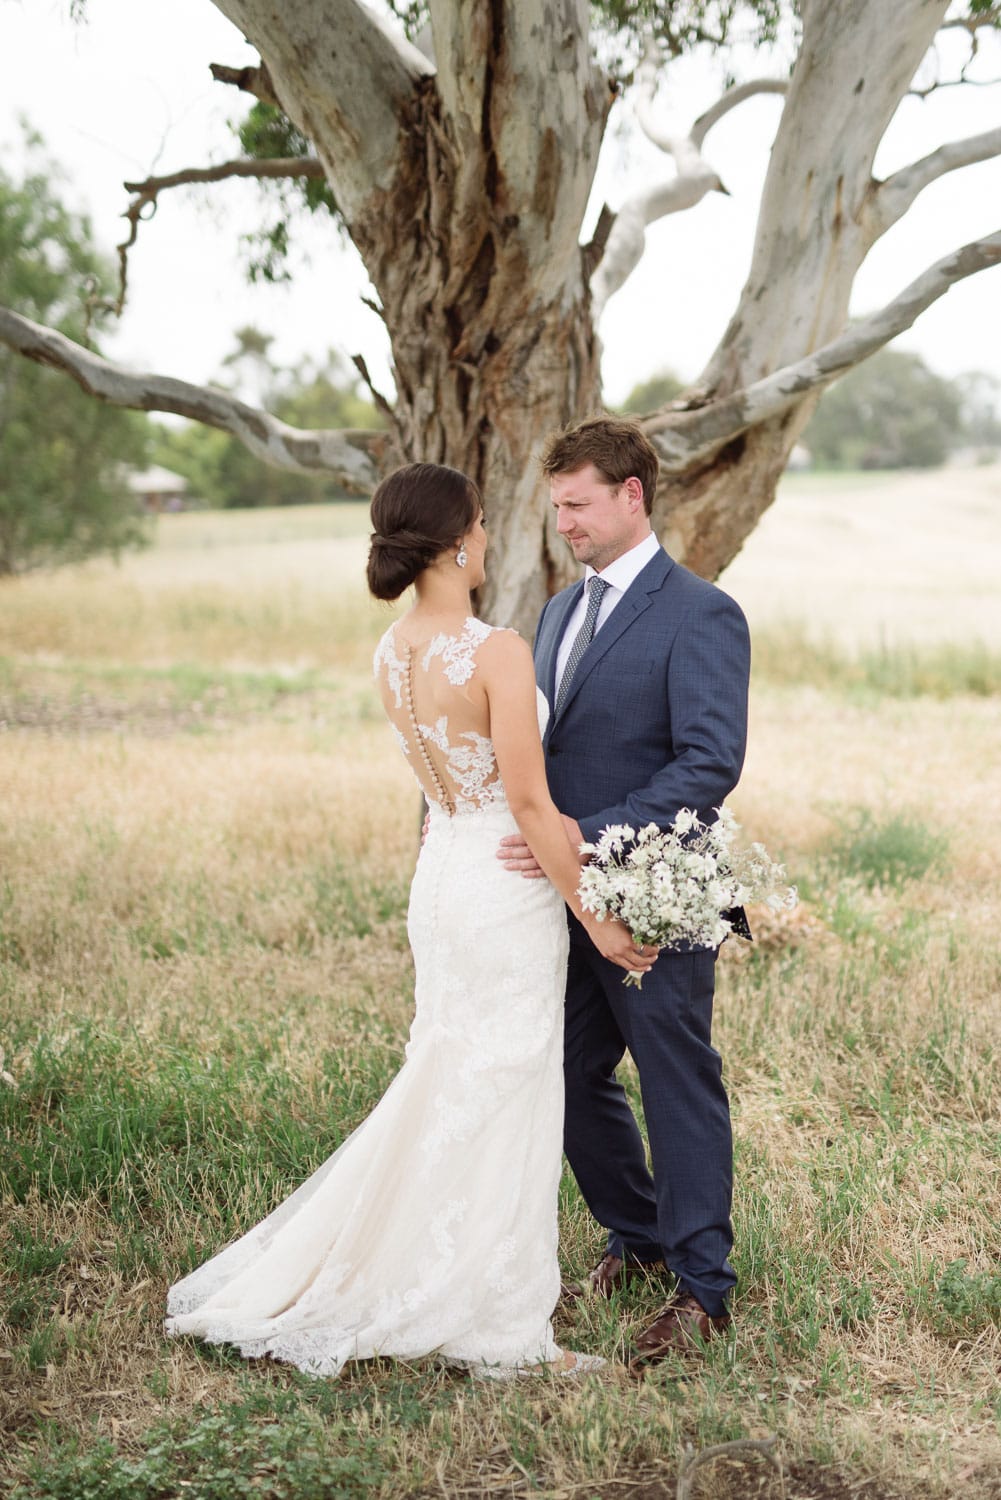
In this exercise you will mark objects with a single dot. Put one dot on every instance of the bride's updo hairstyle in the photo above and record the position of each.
(418, 512)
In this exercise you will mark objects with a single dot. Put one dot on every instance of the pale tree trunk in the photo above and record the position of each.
(466, 211)
(814, 230)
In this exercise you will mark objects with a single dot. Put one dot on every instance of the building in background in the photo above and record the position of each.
(159, 490)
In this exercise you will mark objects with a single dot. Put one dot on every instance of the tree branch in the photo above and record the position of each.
(693, 180)
(962, 82)
(145, 195)
(730, 100)
(352, 456)
(694, 1460)
(973, 24)
(592, 252)
(256, 81)
(244, 166)
(684, 438)
(892, 198)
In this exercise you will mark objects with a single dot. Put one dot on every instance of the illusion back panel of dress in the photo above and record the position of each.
(443, 729)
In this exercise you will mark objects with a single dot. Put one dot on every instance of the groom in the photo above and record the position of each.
(645, 667)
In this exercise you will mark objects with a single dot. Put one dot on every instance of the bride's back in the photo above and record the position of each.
(441, 717)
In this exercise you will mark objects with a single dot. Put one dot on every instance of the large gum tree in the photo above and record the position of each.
(457, 143)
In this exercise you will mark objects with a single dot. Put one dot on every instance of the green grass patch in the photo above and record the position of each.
(789, 657)
(885, 850)
(958, 1300)
(147, 1130)
(273, 1443)
(80, 690)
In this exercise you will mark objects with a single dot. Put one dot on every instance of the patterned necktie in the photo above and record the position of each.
(595, 591)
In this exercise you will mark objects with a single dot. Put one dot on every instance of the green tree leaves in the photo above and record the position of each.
(266, 134)
(892, 412)
(62, 491)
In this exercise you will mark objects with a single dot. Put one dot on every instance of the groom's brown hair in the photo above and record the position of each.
(618, 450)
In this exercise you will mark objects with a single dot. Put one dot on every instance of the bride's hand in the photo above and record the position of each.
(615, 942)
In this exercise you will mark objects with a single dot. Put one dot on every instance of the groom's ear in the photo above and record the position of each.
(634, 492)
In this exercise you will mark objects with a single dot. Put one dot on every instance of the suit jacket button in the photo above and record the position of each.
(553, 750)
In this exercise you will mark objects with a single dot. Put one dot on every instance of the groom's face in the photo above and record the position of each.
(598, 520)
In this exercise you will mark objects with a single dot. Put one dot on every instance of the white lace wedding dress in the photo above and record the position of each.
(433, 1228)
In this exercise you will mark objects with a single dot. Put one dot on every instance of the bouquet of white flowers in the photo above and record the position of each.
(681, 886)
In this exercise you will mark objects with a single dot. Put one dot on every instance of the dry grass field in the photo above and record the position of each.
(205, 847)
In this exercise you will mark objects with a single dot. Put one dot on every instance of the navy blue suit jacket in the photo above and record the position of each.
(656, 715)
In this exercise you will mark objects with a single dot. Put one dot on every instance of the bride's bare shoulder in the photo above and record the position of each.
(505, 652)
(504, 640)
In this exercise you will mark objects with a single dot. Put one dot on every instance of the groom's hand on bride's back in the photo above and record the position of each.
(514, 854)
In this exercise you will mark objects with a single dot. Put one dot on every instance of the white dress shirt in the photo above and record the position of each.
(618, 575)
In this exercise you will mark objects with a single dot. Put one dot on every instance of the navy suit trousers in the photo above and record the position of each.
(682, 1212)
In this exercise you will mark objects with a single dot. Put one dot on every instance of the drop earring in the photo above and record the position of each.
(462, 556)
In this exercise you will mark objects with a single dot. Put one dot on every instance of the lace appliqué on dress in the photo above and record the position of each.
(396, 670)
(437, 733)
(474, 770)
(457, 651)
(470, 764)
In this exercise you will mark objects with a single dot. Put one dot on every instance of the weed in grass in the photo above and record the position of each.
(958, 1301)
(885, 851)
(24, 1255)
(45, 1345)
(855, 1303)
(29, 1286)
(343, 901)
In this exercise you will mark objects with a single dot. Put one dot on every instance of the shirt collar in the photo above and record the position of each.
(625, 569)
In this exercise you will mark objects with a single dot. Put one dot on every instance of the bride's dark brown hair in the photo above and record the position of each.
(418, 512)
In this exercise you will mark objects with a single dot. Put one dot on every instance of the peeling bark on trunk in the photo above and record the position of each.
(469, 231)
(485, 363)
(705, 515)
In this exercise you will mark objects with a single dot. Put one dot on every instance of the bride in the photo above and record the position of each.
(432, 1229)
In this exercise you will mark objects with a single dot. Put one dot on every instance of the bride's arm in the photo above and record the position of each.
(506, 673)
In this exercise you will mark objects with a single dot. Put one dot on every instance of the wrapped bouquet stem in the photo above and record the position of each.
(681, 886)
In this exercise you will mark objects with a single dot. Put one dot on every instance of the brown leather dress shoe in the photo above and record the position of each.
(682, 1327)
(611, 1274)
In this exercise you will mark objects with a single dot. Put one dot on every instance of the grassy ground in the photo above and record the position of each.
(204, 985)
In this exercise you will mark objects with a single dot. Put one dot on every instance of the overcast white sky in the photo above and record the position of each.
(128, 92)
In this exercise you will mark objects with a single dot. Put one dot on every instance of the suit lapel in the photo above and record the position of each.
(637, 598)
